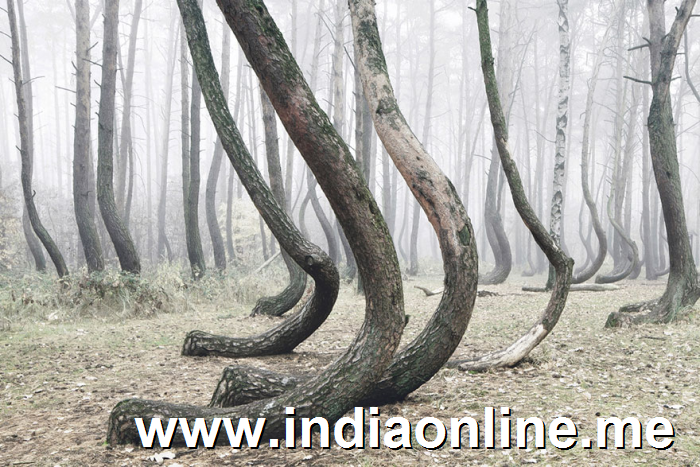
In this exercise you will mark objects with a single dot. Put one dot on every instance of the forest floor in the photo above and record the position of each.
(59, 379)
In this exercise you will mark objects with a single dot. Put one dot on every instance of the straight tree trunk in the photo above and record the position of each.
(126, 142)
(23, 92)
(562, 122)
(123, 244)
(229, 202)
(82, 156)
(217, 240)
(163, 243)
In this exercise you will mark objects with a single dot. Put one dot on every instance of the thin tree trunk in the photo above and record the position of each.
(217, 240)
(562, 264)
(126, 143)
(190, 163)
(23, 92)
(163, 243)
(82, 156)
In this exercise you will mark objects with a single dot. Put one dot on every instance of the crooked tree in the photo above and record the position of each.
(20, 67)
(337, 389)
(561, 264)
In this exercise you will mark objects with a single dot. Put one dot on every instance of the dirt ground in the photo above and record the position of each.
(60, 379)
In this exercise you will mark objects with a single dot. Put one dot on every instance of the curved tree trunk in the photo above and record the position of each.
(682, 288)
(23, 91)
(427, 353)
(123, 244)
(562, 264)
(495, 231)
(597, 261)
(352, 376)
(217, 240)
(283, 302)
(82, 157)
(34, 244)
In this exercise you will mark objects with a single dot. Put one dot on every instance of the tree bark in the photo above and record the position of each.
(495, 231)
(337, 389)
(82, 157)
(121, 238)
(562, 264)
(190, 164)
(23, 92)
(682, 288)
(560, 140)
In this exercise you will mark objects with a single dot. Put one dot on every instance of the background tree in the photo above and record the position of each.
(119, 234)
(20, 66)
(83, 183)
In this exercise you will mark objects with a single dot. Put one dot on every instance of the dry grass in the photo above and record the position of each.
(60, 379)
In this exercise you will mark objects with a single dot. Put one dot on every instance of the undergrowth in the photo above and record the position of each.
(112, 294)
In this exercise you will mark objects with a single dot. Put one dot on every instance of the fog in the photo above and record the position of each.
(437, 78)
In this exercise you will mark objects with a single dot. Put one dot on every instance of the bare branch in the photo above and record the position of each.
(636, 80)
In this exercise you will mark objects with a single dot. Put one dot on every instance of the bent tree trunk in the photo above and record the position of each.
(24, 115)
(495, 230)
(427, 353)
(32, 241)
(286, 336)
(561, 264)
(599, 258)
(354, 374)
(82, 161)
(682, 288)
(283, 302)
(121, 238)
